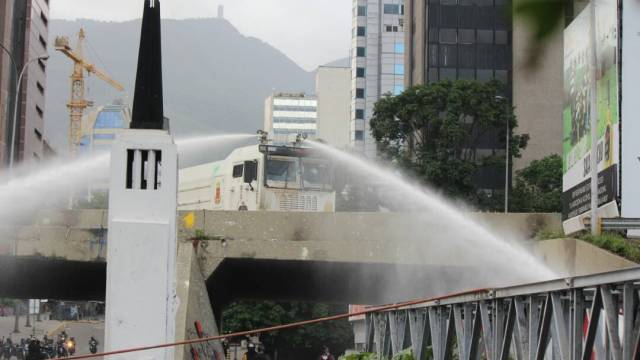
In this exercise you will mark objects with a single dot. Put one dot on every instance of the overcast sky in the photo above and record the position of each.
(310, 32)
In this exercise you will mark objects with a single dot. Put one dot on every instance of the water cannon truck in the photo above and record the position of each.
(261, 177)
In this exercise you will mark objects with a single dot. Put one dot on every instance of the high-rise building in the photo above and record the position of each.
(24, 33)
(333, 90)
(289, 114)
(478, 40)
(377, 63)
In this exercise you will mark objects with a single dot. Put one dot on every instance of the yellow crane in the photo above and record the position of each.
(78, 103)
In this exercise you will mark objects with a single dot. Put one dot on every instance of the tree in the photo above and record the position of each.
(538, 187)
(299, 343)
(436, 131)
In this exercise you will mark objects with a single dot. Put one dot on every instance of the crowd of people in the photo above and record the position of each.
(34, 348)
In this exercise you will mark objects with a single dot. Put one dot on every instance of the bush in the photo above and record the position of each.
(615, 243)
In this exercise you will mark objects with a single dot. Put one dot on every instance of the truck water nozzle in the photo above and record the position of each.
(262, 136)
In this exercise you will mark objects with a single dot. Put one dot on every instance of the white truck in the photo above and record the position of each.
(260, 177)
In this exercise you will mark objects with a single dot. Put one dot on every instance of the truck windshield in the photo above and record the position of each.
(282, 172)
(316, 174)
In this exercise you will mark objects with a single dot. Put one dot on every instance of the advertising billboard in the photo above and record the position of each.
(577, 144)
(630, 115)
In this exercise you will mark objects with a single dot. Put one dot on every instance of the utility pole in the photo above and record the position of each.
(16, 312)
(593, 118)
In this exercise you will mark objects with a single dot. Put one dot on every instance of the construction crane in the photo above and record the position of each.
(78, 103)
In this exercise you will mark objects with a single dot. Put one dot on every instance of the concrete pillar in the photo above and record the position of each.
(141, 281)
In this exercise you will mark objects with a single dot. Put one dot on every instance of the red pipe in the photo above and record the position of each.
(280, 327)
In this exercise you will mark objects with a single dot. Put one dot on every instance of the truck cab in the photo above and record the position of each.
(260, 177)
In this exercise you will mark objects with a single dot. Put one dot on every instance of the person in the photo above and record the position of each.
(251, 353)
(34, 351)
(93, 345)
(326, 354)
(261, 353)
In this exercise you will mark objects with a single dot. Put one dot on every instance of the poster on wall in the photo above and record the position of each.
(630, 182)
(577, 144)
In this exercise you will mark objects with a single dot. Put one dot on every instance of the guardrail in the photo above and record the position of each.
(566, 319)
(616, 224)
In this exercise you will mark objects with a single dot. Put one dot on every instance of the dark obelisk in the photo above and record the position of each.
(148, 110)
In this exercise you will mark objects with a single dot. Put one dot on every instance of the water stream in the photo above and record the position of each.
(442, 232)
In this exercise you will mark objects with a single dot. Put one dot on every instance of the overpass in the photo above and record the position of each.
(333, 257)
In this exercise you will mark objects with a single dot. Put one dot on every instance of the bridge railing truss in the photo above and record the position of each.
(582, 318)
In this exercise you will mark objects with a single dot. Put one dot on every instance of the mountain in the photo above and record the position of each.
(215, 78)
(344, 62)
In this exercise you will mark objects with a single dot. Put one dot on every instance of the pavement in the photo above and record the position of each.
(81, 330)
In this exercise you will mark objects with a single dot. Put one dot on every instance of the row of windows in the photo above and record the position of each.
(104, 136)
(290, 120)
(469, 56)
(468, 36)
(484, 17)
(435, 74)
(469, 2)
(393, 28)
(294, 108)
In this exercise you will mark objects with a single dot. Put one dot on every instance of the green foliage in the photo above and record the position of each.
(300, 343)
(405, 354)
(359, 356)
(548, 234)
(435, 131)
(615, 243)
(538, 187)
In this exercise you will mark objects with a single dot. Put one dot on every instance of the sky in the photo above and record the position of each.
(311, 33)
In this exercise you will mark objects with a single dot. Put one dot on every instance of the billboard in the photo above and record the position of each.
(630, 115)
(577, 144)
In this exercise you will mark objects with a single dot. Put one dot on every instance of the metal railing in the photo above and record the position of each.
(566, 319)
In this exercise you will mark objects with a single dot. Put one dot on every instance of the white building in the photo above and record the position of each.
(377, 63)
(289, 114)
(333, 90)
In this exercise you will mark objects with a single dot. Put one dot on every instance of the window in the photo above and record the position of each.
(43, 42)
(109, 120)
(361, 51)
(360, 72)
(362, 31)
(282, 172)
(43, 65)
(466, 74)
(501, 37)
(359, 135)
(40, 87)
(44, 19)
(448, 56)
(359, 114)
(398, 89)
(433, 75)
(38, 134)
(447, 74)
(466, 36)
(433, 54)
(398, 69)
(39, 110)
(449, 16)
(316, 174)
(467, 56)
(392, 9)
(399, 48)
(237, 171)
(362, 10)
(485, 74)
(485, 37)
(448, 36)
(359, 93)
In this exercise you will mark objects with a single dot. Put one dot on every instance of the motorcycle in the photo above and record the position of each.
(71, 346)
(8, 351)
(61, 350)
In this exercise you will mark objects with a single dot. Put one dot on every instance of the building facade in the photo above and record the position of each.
(24, 32)
(333, 91)
(478, 40)
(288, 114)
(377, 63)
(99, 127)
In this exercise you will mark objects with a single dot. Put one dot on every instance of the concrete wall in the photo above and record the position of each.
(333, 89)
(538, 95)
(575, 257)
